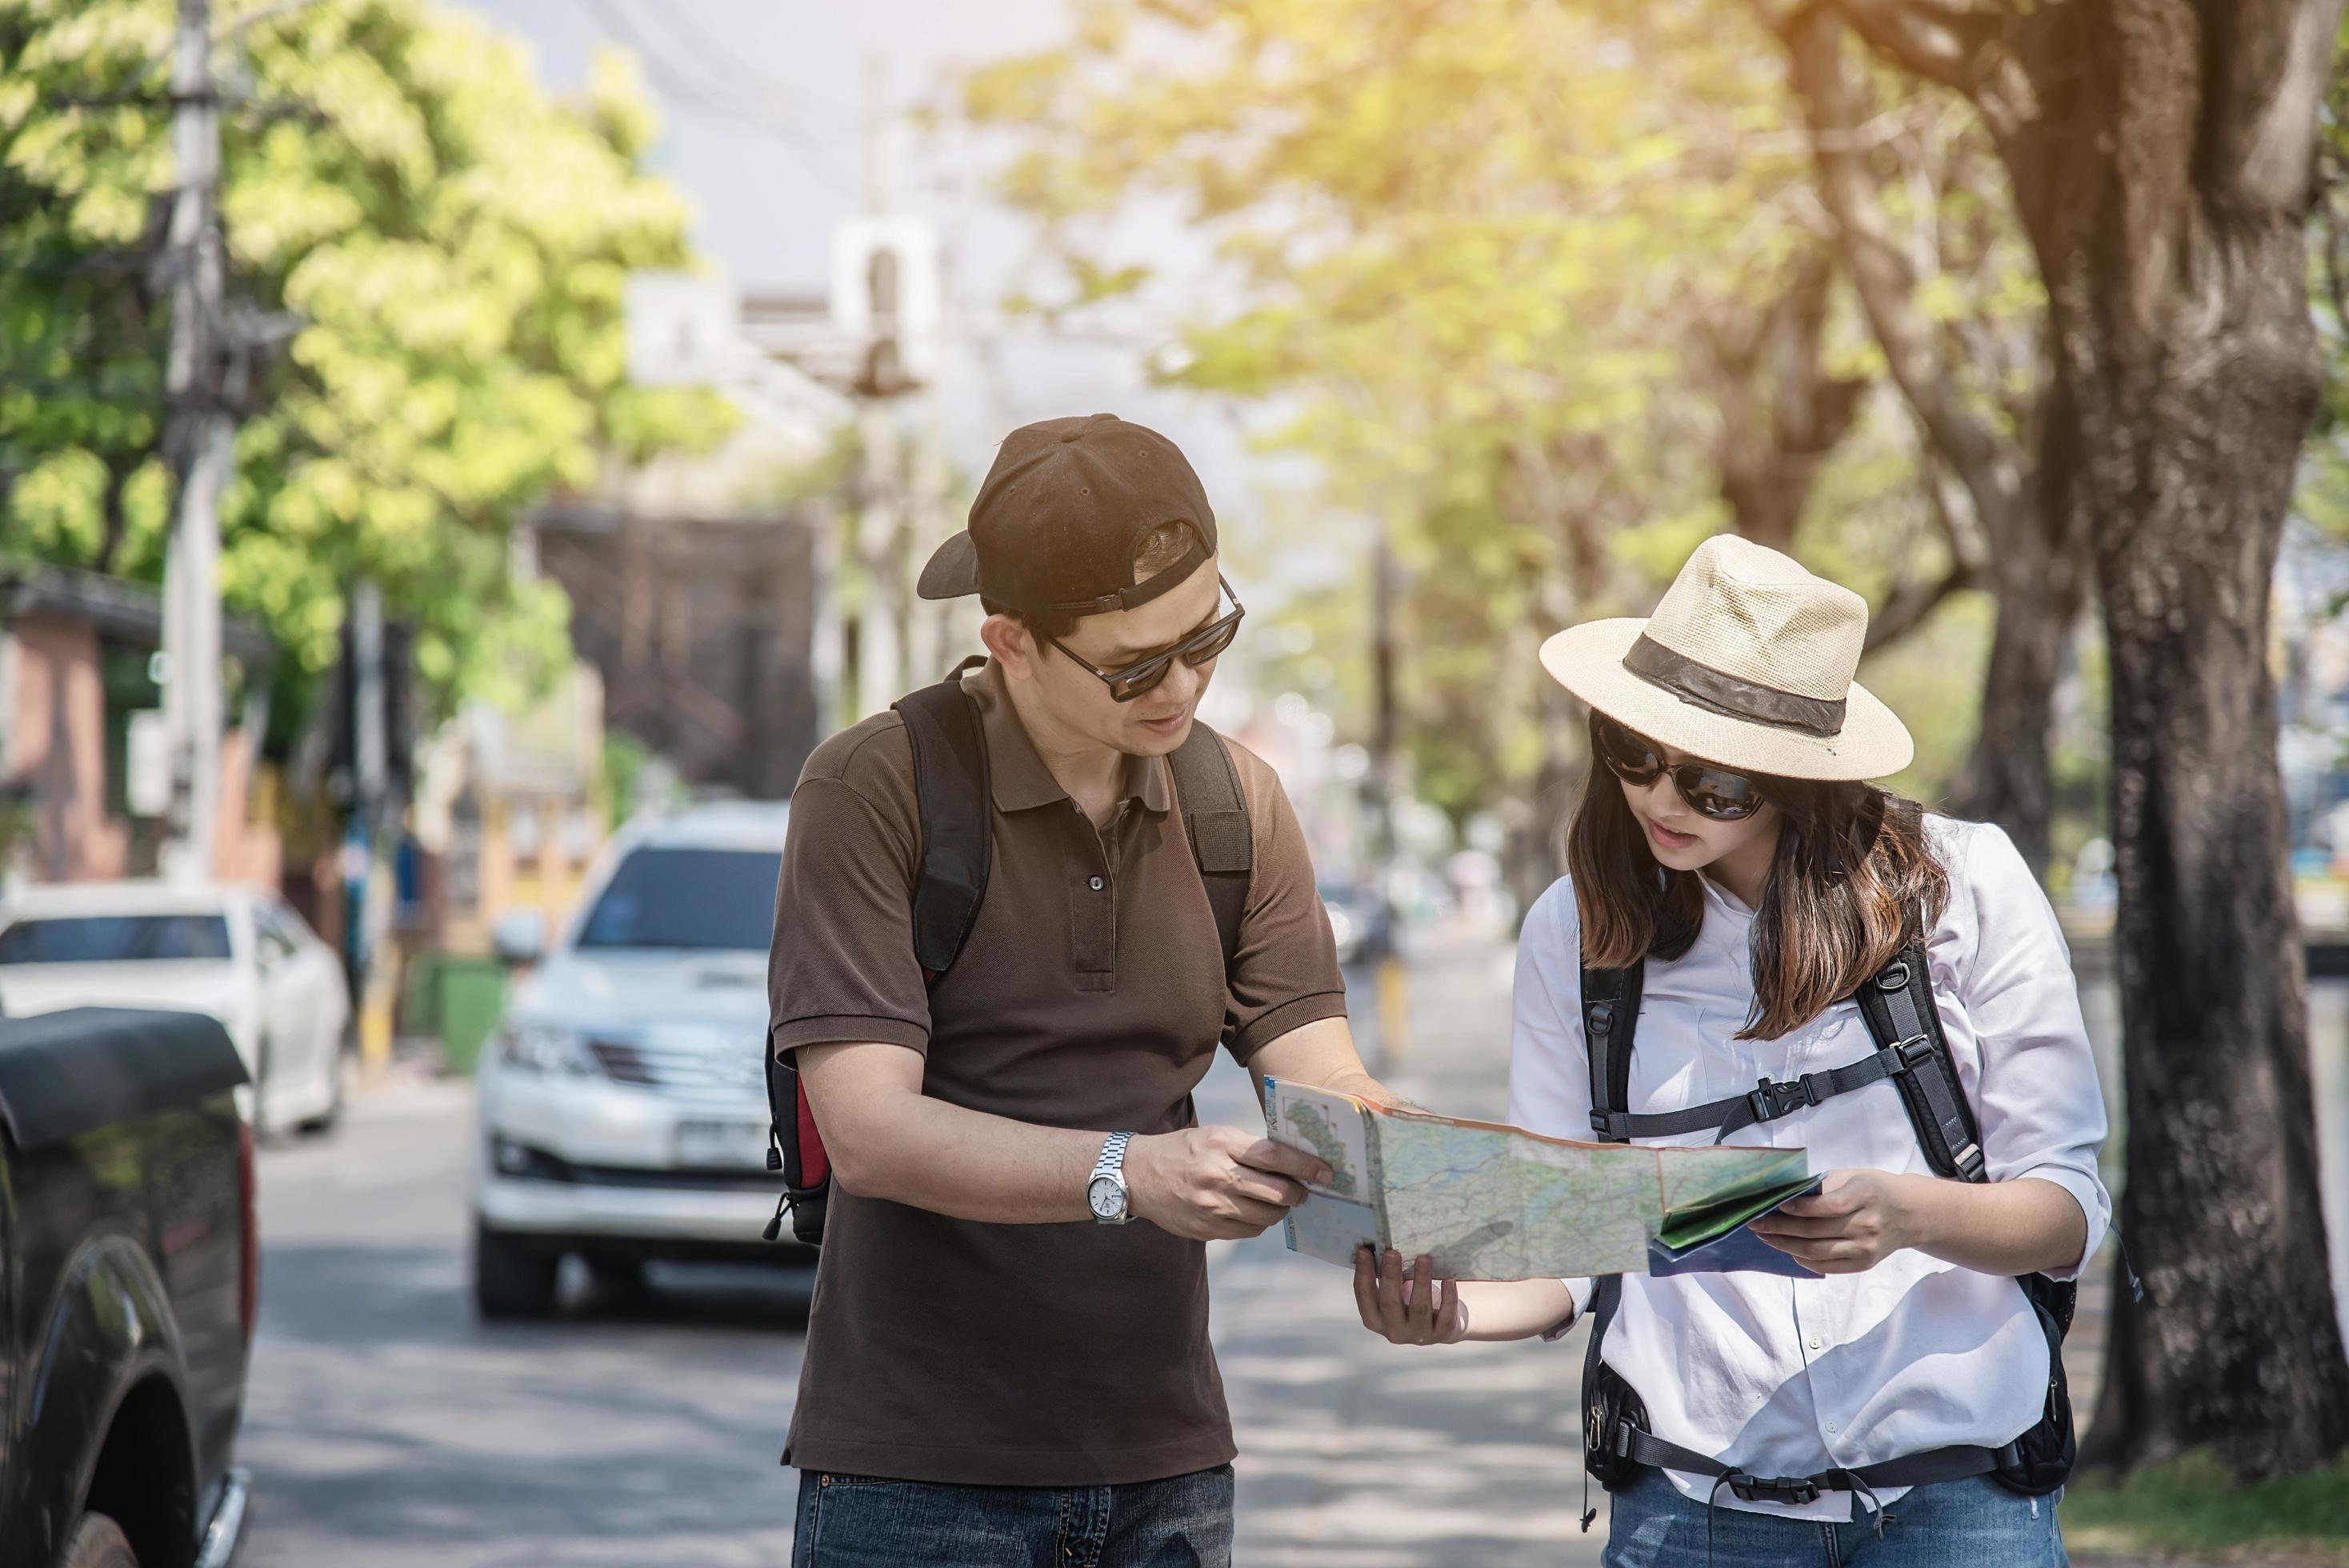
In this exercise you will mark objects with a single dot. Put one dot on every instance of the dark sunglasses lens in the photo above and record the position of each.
(1721, 796)
(1133, 683)
(1633, 759)
(1218, 638)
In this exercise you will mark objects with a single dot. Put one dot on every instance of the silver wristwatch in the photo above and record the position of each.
(1105, 1193)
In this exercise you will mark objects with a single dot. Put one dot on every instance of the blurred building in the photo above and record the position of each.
(83, 782)
(702, 627)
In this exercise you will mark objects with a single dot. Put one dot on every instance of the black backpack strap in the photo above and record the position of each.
(1902, 1017)
(1215, 815)
(1610, 1019)
(950, 788)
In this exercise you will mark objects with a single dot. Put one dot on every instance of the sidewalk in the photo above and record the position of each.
(1355, 1453)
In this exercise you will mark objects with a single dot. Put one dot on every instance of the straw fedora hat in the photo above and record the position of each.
(1746, 663)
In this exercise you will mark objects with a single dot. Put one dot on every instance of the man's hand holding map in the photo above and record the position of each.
(1487, 1202)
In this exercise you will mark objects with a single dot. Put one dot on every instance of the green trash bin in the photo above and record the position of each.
(468, 994)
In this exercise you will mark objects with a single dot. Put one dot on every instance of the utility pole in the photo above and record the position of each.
(881, 534)
(1394, 1007)
(199, 443)
(367, 869)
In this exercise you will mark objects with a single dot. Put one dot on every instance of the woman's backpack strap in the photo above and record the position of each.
(1611, 1018)
(1899, 1006)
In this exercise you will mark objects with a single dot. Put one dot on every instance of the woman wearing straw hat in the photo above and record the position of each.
(1890, 1359)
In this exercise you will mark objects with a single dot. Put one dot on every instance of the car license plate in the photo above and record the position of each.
(722, 1145)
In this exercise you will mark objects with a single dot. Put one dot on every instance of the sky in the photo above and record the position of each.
(761, 101)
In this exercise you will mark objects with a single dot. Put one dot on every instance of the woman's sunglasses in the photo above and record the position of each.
(1144, 675)
(1715, 793)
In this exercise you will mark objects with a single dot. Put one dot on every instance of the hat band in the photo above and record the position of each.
(1726, 695)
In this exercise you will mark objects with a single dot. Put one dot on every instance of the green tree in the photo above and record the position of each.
(1548, 289)
(438, 249)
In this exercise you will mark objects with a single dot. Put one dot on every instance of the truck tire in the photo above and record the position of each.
(513, 1277)
(98, 1543)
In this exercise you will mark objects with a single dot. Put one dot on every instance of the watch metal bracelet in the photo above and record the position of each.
(1113, 1157)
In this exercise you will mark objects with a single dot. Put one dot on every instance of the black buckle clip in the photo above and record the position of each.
(1907, 1053)
(1614, 1126)
(1770, 1101)
(1787, 1489)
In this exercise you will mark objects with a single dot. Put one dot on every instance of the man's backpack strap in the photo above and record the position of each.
(950, 785)
(1901, 1015)
(1214, 813)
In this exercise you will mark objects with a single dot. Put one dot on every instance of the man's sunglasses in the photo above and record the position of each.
(1144, 675)
(1712, 792)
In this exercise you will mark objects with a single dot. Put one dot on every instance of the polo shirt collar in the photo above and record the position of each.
(1018, 779)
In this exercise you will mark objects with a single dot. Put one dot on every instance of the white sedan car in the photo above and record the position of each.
(239, 954)
(623, 1104)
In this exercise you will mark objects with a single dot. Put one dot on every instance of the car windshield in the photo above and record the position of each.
(114, 938)
(686, 898)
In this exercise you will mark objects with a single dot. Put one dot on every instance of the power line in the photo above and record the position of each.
(677, 85)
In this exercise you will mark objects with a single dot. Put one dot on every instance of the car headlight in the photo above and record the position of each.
(540, 1048)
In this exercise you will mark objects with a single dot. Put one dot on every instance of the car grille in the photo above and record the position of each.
(731, 1078)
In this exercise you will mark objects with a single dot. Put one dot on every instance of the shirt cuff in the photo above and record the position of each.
(1289, 1017)
(1579, 1289)
(846, 1029)
(2089, 1193)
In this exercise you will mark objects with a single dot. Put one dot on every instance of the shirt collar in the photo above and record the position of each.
(1017, 775)
(1721, 898)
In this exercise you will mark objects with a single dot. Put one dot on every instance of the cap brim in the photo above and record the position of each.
(953, 570)
(1588, 660)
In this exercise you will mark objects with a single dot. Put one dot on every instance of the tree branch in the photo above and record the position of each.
(1909, 604)
(1940, 40)
(1887, 285)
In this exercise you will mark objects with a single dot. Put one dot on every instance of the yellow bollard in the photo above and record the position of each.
(1394, 1011)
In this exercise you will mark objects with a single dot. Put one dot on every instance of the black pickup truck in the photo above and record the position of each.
(129, 1272)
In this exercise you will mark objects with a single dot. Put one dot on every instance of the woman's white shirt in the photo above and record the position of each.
(1788, 1376)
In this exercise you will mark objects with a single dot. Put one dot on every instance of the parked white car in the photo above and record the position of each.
(623, 1100)
(238, 953)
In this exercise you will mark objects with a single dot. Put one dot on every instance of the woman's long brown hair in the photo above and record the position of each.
(1853, 879)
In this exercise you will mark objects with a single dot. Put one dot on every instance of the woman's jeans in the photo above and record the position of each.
(1970, 1523)
(860, 1522)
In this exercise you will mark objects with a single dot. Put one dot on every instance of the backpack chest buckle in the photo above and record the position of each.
(1770, 1101)
(1787, 1489)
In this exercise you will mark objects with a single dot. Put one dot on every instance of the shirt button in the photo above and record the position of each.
(1831, 1426)
(1095, 884)
(1815, 1341)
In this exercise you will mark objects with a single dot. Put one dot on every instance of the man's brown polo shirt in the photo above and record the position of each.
(1091, 994)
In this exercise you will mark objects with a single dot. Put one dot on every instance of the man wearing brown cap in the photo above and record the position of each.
(999, 1368)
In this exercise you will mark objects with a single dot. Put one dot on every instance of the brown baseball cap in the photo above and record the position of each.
(1056, 525)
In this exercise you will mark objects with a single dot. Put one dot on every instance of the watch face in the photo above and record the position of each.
(1107, 1198)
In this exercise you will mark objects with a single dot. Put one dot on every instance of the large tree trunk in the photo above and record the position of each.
(2160, 151)
(2040, 582)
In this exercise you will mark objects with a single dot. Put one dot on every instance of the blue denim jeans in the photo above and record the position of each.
(863, 1522)
(1970, 1523)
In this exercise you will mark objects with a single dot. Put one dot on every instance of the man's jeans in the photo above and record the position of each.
(1970, 1523)
(862, 1521)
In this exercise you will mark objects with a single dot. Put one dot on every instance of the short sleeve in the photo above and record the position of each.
(2039, 1104)
(842, 967)
(1284, 975)
(1549, 1065)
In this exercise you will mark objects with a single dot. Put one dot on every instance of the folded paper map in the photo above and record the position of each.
(1489, 1202)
